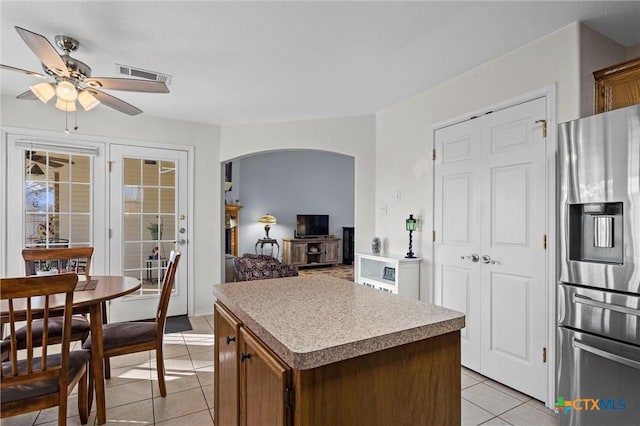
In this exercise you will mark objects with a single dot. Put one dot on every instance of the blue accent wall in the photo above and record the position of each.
(287, 183)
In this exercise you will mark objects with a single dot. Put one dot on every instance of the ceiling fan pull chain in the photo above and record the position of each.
(66, 120)
(76, 125)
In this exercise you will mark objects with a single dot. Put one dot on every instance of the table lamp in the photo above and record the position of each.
(411, 226)
(267, 219)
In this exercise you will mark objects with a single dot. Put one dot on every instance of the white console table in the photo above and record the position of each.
(397, 275)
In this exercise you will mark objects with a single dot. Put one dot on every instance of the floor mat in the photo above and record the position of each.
(177, 324)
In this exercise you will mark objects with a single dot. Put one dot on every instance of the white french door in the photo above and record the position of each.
(148, 210)
(60, 193)
(489, 254)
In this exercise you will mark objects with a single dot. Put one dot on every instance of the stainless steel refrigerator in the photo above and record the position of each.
(598, 303)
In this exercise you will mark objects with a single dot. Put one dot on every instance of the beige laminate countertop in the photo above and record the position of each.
(315, 320)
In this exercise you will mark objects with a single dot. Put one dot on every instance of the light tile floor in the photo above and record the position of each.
(133, 396)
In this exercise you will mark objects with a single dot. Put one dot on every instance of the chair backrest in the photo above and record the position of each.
(167, 286)
(74, 259)
(25, 296)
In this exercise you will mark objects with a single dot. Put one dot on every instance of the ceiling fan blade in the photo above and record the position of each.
(115, 103)
(45, 51)
(60, 160)
(128, 84)
(31, 73)
(55, 164)
(27, 96)
(53, 161)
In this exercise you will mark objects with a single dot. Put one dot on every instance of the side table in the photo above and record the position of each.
(261, 242)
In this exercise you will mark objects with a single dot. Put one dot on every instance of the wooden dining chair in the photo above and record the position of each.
(75, 259)
(72, 259)
(32, 383)
(123, 338)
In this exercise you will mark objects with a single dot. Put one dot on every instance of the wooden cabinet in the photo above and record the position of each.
(226, 368)
(397, 275)
(294, 252)
(252, 385)
(331, 251)
(617, 86)
(413, 383)
(311, 251)
(264, 384)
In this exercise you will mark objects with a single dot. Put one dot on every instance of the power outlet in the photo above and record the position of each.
(382, 210)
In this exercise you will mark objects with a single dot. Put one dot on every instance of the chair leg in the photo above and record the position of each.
(160, 368)
(62, 408)
(90, 389)
(107, 369)
(83, 398)
(107, 365)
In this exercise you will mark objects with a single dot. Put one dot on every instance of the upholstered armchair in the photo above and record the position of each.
(261, 267)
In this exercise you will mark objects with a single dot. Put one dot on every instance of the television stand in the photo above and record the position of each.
(310, 251)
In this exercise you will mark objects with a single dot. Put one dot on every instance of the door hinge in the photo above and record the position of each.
(544, 127)
(433, 235)
(110, 163)
(290, 397)
(544, 241)
(433, 155)
(544, 354)
(109, 232)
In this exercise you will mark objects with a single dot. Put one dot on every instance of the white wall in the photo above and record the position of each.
(207, 187)
(632, 52)
(404, 131)
(287, 183)
(352, 136)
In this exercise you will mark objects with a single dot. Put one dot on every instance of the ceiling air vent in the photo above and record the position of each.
(146, 74)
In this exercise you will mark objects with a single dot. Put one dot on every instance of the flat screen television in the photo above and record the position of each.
(312, 225)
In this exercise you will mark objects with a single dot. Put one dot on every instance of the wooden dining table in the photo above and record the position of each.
(90, 293)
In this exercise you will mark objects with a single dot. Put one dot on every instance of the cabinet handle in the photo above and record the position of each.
(244, 356)
(230, 339)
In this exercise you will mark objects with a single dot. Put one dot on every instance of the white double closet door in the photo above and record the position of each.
(489, 253)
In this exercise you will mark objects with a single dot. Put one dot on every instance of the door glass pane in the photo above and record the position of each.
(57, 191)
(149, 218)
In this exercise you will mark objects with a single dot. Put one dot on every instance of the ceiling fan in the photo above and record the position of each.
(70, 79)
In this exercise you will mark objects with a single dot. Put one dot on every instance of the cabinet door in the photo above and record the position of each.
(299, 253)
(331, 252)
(617, 86)
(264, 382)
(226, 367)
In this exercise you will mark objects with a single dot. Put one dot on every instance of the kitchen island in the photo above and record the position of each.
(318, 350)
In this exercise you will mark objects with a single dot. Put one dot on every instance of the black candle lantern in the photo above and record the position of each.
(411, 226)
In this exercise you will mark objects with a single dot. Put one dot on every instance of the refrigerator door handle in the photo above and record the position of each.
(577, 343)
(585, 300)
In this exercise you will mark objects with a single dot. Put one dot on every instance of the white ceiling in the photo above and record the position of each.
(247, 62)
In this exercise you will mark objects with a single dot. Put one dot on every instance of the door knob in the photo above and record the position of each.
(486, 259)
(244, 357)
(473, 258)
(230, 339)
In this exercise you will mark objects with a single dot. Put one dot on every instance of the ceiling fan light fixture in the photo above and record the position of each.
(43, 91)
(66, 91)
(65, 106)
(87, 100)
